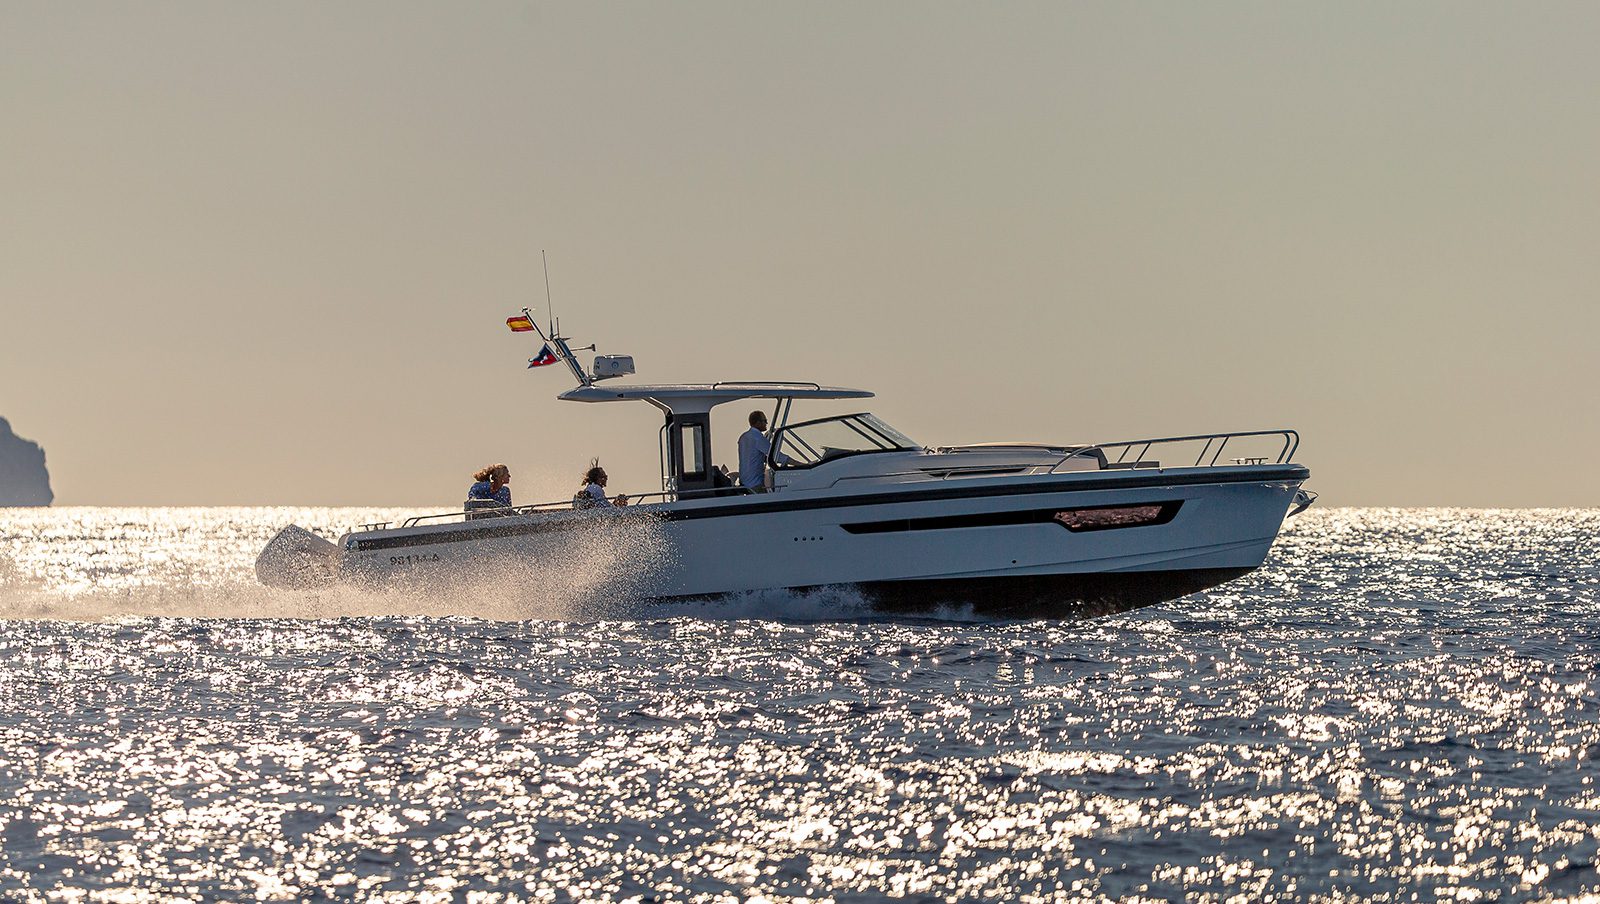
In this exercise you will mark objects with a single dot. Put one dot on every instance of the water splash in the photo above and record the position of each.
(99, 563)
(106, 563)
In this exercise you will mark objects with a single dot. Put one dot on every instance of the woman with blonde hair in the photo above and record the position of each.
(493, 484)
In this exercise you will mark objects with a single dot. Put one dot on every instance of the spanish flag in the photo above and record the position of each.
(519, 323)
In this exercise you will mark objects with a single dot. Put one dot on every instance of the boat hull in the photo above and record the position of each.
(1088, 595)
(1065, 546)
(1063, 596)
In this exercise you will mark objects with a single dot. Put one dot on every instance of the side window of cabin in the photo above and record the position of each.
(693, 445)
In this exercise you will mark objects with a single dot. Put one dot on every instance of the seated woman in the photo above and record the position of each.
(593, 494)
(493, 485)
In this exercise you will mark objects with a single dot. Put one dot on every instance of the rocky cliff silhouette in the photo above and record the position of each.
(23, 477)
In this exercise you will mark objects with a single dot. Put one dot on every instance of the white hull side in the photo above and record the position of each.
(1217, 526)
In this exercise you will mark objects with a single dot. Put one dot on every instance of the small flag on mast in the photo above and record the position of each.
(546, 356)
(520, 324)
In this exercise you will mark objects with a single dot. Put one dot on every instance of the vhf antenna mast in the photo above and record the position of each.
(549, 305)
(563, 351)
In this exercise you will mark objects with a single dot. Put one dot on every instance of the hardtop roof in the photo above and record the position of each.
(713, 393)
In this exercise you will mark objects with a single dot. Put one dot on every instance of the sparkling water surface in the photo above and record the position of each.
(1402, 705)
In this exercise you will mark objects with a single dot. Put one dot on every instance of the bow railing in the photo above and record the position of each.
(1279, 449)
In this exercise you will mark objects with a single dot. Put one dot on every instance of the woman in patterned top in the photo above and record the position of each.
(492, 484)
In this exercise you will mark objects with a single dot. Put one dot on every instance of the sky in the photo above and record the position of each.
(263, 253)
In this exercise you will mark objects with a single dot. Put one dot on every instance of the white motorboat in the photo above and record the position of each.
(1011, 529)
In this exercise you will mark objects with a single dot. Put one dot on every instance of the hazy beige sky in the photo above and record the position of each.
(262, 253)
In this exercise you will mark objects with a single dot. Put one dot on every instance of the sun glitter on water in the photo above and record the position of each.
(1400, 704)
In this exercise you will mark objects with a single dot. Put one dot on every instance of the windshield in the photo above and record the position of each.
(814, 442)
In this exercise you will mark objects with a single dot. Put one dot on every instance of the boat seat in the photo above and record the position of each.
(733, 487)
(1130, 465)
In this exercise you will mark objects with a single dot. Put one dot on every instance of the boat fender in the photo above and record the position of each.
(1302, 501)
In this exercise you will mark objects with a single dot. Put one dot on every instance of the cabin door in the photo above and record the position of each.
(689, 443)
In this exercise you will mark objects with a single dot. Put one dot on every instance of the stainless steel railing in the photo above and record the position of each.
(563, 505)
(1214, 445)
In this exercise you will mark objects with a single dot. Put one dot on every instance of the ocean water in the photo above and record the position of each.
(1402, 705)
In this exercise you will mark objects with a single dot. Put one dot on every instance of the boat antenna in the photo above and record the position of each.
(562, 349)
(549, 305)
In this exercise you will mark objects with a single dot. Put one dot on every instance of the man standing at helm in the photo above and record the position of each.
(753, 450)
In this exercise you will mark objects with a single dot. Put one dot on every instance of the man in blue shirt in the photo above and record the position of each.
(753, 450)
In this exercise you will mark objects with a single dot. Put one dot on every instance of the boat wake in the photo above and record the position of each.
(112, 564)
(26, 598)
(22, 599)
(100, 564)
